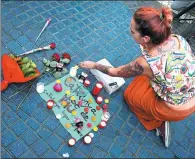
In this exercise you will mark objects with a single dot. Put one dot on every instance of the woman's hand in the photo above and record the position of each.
(87, 64)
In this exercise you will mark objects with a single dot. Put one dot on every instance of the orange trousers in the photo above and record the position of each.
(148, 107)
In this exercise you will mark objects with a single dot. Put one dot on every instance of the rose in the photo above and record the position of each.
(56, 57)
(66, 56)
(52, 45)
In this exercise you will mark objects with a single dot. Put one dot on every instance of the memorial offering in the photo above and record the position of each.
(74, 107)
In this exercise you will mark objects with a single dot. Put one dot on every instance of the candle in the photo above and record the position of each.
(99, 100)
(86, 83)
(102, 124)
(40, 87)
(50, 104)
(105, 116)
(71, 142)
(98, 87)
(87, 139)
(73, 71)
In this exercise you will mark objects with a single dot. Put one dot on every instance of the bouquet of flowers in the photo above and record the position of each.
(18, 69)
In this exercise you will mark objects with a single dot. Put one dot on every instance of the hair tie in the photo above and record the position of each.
(161, 16)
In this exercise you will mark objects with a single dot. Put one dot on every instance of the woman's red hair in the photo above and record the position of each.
(154, 23)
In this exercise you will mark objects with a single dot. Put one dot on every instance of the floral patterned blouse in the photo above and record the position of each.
(174, 73)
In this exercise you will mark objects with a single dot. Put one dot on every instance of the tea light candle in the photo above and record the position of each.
(102, 124)
(72, 142)
(87, 139)
(40, 87)
(86, 83)
(73, 71)
(105, 116)
(99, 100)
(50, 104)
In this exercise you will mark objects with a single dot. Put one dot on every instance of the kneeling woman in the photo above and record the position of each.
(164, 87)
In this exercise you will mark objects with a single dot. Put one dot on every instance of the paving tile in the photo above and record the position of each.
(133, 146)
(98, 153)
(104, 143)
(10, 117)
(40, 147)
(127, 154)
(8, 137)
(4, 107)
(66, 149)
(51, 123)
(51, 154)
(115, 150)
(30, 137)
(86, 149)
(28, 154)
(78, 155)
(44, 133)
(33, 123)
(40, 115)
(54, 142)
(121, 139)
(19, 127)
(18, 148)
(143, 153)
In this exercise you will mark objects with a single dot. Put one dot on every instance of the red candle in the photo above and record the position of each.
(102, 124)
(99, 100)
(50, 104)
(98, 87)
(86, 83)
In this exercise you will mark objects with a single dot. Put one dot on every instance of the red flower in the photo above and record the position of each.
(52, 45)
(66, 56)
(56, 57)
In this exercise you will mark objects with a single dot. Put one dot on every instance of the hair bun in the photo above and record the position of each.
(167, 15)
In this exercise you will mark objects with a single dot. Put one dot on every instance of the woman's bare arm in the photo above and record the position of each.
(131, 69)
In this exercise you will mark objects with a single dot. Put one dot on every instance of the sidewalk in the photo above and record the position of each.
(88, 31)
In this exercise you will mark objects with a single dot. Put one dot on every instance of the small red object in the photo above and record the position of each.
(89, 125)
(102, 124)
(56, 57)
(72, 142)
(98, 107)
(50, 104)
(52, 45)
(87, 82)
(99, 100)
(80, 102)
(97, 88)
(86, 109)
(105, 106)
(105, 110)
(66, 56)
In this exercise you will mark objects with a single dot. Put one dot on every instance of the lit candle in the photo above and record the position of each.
(99, 100)
(71, 142)
(102, 124)
(98, 87)
(50, 104)
(86, 83)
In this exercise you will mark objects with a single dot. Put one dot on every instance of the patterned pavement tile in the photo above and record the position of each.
(88, 30)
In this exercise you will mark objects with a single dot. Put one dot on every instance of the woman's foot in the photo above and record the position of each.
(165, 132)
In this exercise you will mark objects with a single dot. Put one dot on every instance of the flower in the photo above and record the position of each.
(56, 57)
(66, 56)
(52, 45)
